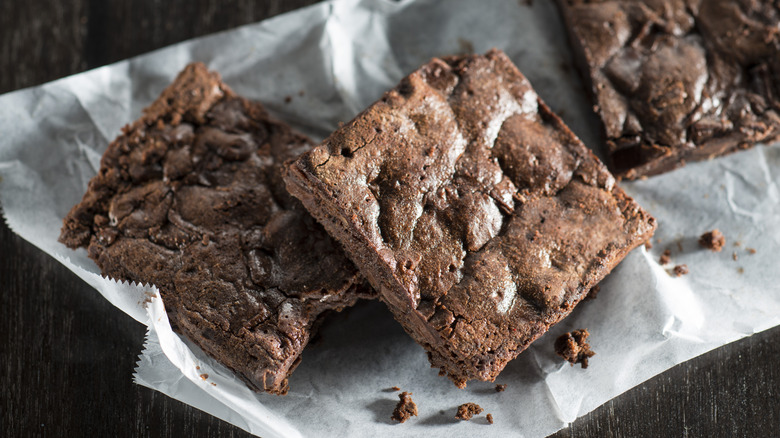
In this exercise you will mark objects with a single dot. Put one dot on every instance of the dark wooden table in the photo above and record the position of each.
(67, 355)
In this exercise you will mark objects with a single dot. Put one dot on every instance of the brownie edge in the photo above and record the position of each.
(474, 211)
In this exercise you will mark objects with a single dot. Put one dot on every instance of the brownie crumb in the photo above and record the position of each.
(395, 388)
(594, 291)
(734, 256)
(665, 257)
(489, 418)
(287, 99)
(751, 250)
(467, 410)
(204, 376)
(574, 347)
(649, 244)
(501, 387)
(713, 240)
(680, 270)
(405, 408)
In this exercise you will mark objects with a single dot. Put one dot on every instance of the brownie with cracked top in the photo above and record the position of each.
(478, 215)
(190, 198)
(678, 80)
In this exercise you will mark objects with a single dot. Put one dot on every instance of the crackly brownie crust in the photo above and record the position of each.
(678, 80)
(478, 215)
(190, 198)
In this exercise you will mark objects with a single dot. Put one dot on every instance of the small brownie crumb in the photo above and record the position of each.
(649, 244)
(489, 418)
(734, 256)
(467, 410)
(751, 250)
(594, 291)
(713, 240)
(665, 257)
(395, 388)
(680, 270)
(574, 347)
(501, 387)
(405, 408)
(204, 376)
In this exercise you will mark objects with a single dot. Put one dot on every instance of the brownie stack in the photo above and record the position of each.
(475, 213)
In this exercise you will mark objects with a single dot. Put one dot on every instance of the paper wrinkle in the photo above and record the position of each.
(319, 66)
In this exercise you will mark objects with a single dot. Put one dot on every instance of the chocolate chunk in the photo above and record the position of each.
(190, 198)
(574, 347)
(405, 408)
(712, 240)
(677, 81)
(468, 410)
(479, 215)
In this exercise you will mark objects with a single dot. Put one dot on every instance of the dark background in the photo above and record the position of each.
(67, 355)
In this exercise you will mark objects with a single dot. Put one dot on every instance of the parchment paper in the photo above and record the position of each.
(333, 59)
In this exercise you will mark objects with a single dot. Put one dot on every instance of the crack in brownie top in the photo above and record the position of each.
(689, 78)
(488, 211)
(190, 198)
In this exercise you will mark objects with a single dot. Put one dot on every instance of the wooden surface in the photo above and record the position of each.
(67, 355)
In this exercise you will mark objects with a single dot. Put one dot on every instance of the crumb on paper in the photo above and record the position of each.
(287, 99)
(734, 256)
(467, 411)
(593, 293)
(204, 376)
(680, 270)
(501, 387)
(197, 367)
(740, 270)
(751, 250)
(301, 93)
(649, 244)
(393, 389)
(666, 257)
(679, 246)
(574, 347)
(405, 408)
(148, 297)
(713, 240)
(737, 243)
(489, 418)
(213, 384)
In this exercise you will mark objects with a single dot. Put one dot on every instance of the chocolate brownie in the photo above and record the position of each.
(678, 80)
(477, 214)
(190, 198)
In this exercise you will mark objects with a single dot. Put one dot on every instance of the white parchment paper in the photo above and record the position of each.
(332, 60)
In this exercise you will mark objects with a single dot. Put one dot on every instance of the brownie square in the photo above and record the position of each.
(678, 80)
(478, 215)
(190, 198)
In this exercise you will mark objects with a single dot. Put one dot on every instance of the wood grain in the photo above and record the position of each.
(67, 355)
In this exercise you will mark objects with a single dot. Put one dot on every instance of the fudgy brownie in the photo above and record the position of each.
(678, 80)
(190, 198)
(478, 215)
